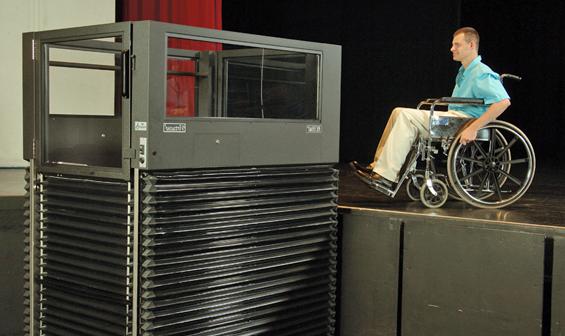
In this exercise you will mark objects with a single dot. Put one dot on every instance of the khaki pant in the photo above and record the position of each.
(402, 128)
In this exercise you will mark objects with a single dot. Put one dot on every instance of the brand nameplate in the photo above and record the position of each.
(174, 127)
(313, 128)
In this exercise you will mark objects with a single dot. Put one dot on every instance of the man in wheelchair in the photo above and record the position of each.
(405, 125)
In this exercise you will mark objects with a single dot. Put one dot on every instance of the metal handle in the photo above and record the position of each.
(125, 73)
(514, 77)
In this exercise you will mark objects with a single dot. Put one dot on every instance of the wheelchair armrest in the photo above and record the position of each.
(460, 100)
(428, 101)
(432, 102)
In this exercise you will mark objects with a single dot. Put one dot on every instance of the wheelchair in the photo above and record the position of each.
(493, 171)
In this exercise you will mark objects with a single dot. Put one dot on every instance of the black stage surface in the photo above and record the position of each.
(543, 204)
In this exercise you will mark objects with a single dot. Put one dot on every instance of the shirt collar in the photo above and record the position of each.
(463, 71)
(473, 64)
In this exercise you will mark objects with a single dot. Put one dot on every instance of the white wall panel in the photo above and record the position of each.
(21, 16)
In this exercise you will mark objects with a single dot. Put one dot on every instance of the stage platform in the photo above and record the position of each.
(543, 204)
(458, 270)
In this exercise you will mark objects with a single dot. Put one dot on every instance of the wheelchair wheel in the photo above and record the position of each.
(413, 186)
(493, 173)
(429, 199)
(469, 165)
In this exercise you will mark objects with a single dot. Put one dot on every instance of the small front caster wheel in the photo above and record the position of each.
(413, 187)
(429, 199)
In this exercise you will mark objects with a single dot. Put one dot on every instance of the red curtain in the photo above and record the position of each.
(181, 89)
(199, 13)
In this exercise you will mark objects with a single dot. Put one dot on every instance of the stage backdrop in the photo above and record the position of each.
(526, 38)
(181, 90)
(397, 52)
(199, 13)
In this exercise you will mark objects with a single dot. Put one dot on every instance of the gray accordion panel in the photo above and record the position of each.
(248, 251)
(85, 256)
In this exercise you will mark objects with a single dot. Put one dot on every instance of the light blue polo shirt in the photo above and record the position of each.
(477, 81)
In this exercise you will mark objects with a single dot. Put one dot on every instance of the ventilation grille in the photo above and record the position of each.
(85, 256)
(239, 252)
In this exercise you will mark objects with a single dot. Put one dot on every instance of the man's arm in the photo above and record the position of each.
(494, 110)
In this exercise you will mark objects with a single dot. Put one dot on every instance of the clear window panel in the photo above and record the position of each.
(182, 87)
(270, 85)
(75, 90)
(233, 81)
(81, 92)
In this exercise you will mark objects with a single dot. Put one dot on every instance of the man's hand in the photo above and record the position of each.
(470, 132)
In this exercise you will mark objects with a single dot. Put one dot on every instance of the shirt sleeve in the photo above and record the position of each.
(489, 87)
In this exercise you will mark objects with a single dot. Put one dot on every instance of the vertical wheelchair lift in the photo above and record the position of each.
(181, 182)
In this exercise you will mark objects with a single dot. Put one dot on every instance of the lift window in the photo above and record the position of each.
(208, 79)
(83, 93)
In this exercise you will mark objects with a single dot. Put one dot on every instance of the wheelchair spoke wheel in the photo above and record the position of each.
(472, 158)
(429, 199)
(413, 184)
(492, 173)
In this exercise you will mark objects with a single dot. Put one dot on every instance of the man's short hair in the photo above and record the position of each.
(471, 34)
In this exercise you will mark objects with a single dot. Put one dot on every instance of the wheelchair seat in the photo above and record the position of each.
(445, 127)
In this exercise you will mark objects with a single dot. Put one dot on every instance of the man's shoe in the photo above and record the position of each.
(356, 166)
(378, 179)
(374, 180)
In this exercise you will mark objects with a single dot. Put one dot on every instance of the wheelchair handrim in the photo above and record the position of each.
(468, 195)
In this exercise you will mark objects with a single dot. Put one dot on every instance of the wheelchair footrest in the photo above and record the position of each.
(380, 187)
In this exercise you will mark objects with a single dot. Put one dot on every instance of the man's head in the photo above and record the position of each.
(465, 45)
